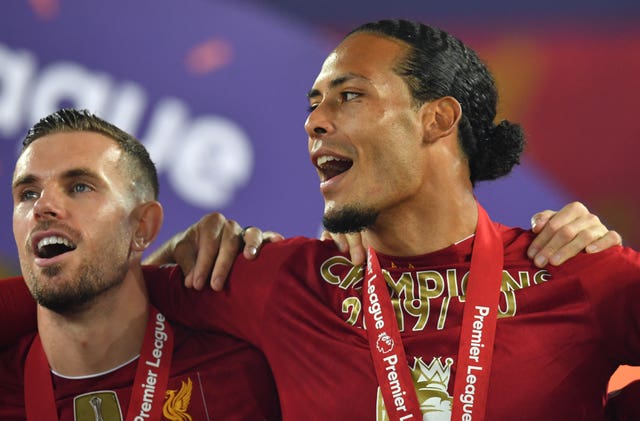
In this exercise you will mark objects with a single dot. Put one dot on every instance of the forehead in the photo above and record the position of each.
(371, 56)
(61, 151)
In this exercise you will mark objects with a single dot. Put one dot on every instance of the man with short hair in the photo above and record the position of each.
(85, 208)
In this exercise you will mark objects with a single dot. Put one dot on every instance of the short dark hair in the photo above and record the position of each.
(439, 65)
(142, 169)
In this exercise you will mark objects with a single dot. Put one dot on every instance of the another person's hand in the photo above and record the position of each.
(207, 249)
(563, 234)
(351, 243)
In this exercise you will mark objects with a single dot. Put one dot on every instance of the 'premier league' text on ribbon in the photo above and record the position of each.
(160, 337)
(475, 350)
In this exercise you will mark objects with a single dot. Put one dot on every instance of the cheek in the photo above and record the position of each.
(20, 227)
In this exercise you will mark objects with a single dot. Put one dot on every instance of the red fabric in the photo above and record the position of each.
(227, 378)
(561, 334)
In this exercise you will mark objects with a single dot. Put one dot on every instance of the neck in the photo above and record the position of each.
(106, 334)
(424, 229)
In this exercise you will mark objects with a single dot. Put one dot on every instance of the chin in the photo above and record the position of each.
(349, 219)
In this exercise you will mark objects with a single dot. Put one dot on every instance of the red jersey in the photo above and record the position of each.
(212, 377)
(560, 335)
(561, 331)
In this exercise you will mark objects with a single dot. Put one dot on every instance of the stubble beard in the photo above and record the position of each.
(76, 294)
(349, 219)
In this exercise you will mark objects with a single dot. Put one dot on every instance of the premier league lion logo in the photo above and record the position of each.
(384, 343)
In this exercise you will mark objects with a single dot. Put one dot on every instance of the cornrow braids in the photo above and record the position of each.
(439, 65)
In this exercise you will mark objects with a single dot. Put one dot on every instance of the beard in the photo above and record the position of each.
(72, 296)
(349, 219)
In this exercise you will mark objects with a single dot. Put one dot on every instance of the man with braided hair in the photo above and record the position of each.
(449, 319)
(400, 128)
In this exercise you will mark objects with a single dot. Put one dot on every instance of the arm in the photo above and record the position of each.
(561, 235)
(207, 249)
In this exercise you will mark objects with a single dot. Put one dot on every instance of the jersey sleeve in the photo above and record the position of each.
(611, 283)
(239, 310)
(17, 310)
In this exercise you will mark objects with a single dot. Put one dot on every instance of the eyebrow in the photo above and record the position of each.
(337, 82)
(69, 174)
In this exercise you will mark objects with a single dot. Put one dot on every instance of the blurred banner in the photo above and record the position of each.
(217, 92)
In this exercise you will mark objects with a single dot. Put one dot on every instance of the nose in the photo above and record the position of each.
(320, 121)
(48, 205)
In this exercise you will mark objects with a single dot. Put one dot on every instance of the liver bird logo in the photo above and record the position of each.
(177, 402)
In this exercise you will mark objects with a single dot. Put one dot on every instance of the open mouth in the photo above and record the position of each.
(53, 246)
(331, 166)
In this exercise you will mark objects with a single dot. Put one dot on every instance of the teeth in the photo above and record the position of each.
(324, 159)
(55, 240)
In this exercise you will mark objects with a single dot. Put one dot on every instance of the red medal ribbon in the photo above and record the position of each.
(478, 330)
(147, 391)
(385, 343)
(477, 333)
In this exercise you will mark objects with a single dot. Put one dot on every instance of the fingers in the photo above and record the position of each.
(547, 224)
(353, 243)
(562, 247)
(339, 239)
(271, 237)
(570, 231)
(184, 255)
(206, 238)
(232, 239)
(254, 239)
(540, 219)
(356, 248)
(610, 239)
(230, 244)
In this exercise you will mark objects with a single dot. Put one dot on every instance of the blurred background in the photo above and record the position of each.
(216, 90)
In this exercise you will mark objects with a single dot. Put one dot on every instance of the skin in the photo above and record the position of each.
(407, 167)
(72, 185)
(407, 164)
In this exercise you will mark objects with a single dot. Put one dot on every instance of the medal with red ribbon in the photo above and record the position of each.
(147, 391)
(477, 334)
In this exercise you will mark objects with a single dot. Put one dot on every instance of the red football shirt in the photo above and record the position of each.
(561, 332)
(560, 335)
(212, 377)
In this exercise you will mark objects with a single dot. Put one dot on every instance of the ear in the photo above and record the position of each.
(440, 118)
(148, 219)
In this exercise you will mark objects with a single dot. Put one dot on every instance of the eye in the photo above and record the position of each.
(27, 195)
(312, 107)
(80, 188)
(348, 96)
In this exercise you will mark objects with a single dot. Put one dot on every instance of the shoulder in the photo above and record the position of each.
(620, 262)
(515, 240)
(609, 279)
(295, 251)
